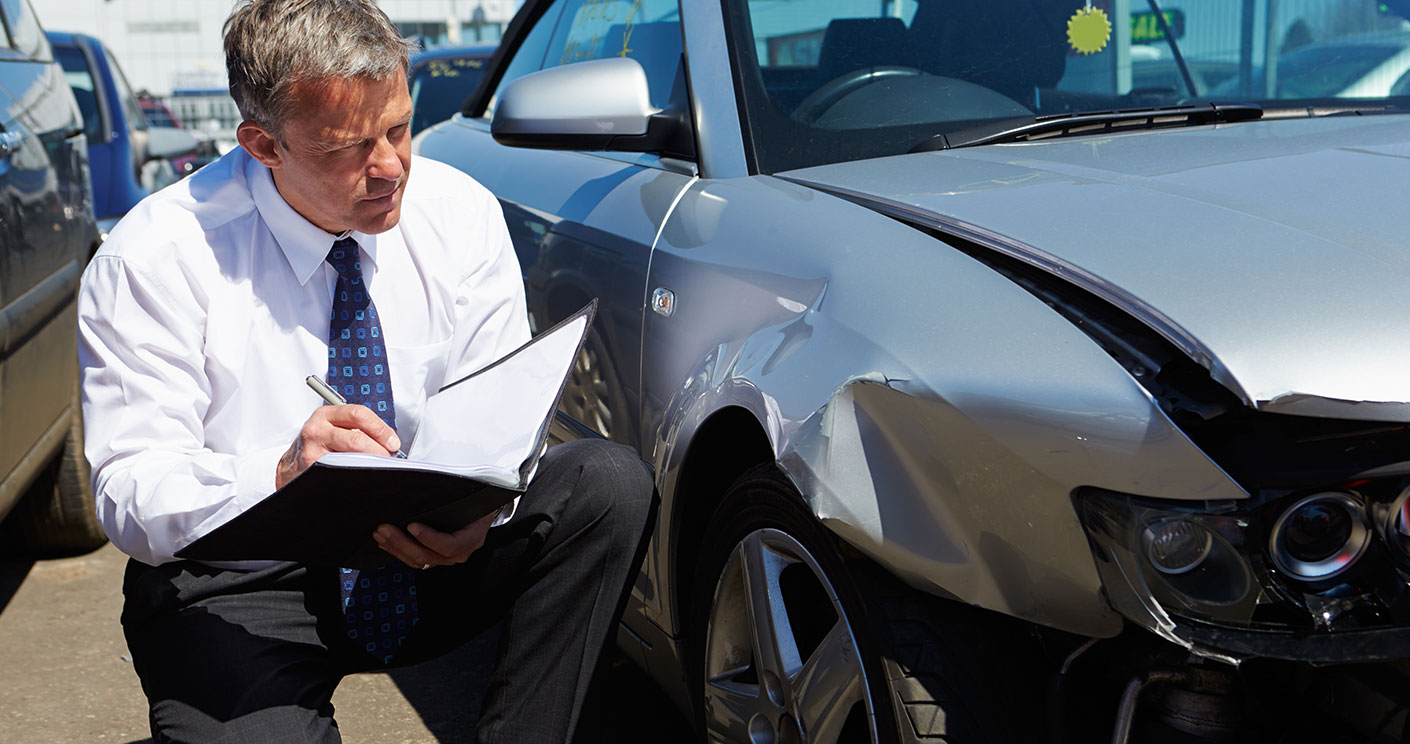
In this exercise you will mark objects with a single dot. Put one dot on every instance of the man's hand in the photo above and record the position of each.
(348, 428)
(420, 546)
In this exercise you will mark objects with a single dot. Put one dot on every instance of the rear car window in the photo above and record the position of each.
(81, 81)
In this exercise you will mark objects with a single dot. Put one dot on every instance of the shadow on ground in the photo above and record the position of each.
(12, 573)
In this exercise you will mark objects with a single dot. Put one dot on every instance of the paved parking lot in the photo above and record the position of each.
(67, 677)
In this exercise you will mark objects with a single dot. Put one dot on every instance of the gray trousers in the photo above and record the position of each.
(234, 656)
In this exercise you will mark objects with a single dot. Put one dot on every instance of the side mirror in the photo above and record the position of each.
(601, 104)
(168, 142)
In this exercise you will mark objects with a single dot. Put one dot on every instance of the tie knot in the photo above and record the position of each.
(345, 259)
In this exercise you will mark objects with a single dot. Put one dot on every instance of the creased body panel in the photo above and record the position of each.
(942, 437)
(1196, 230)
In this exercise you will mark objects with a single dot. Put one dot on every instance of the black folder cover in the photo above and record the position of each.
(327, 514)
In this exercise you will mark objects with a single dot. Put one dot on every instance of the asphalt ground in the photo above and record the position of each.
(67, 677)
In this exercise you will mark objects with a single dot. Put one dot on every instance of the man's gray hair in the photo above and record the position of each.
(272, 45)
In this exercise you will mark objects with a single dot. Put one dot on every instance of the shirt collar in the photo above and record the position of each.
(305, 245)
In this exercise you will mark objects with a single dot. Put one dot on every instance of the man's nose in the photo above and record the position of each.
(384, 162)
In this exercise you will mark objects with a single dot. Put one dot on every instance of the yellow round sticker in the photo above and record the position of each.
(1088, 30)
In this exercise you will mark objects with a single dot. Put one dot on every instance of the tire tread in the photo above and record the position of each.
(57, 516)
(957, 672)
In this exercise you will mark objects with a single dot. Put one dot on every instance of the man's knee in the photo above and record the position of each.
(614, 484)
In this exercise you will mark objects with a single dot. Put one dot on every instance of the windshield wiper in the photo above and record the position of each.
(1094, 122)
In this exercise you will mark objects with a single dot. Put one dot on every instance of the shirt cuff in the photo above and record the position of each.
(254, 475)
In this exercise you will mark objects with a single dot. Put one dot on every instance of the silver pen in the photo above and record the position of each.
(329, 394)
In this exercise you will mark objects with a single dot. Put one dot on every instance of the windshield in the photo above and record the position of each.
(831, 80)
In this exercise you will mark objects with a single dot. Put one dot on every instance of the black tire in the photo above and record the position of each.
(57, 515)
(932, 671)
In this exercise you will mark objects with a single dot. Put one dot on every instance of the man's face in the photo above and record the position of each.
(345, 155)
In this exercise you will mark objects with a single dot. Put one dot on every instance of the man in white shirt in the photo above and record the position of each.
(198, 321)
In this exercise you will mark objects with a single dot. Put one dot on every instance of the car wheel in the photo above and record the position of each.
(57, 515)
(592, 396)
(798, 643)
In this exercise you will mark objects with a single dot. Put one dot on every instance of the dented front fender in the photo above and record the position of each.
(942, 440)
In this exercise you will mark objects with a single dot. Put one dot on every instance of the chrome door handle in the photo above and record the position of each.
(9, 142)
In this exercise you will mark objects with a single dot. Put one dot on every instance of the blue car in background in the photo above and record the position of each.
(442, 78)
(128, 157)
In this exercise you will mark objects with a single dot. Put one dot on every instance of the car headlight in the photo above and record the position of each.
(1392, 523)
(1297, 564)
(1171, 558)
(1319, 536)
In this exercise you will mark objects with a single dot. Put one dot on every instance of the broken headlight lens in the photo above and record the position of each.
(1322, 560)
(1177, 546)
(1171, 558)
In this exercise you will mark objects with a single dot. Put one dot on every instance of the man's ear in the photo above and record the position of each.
(261, 144)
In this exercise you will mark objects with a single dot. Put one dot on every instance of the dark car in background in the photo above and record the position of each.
(442, 78)
(156, 112)
(47, 233)
(129, 157)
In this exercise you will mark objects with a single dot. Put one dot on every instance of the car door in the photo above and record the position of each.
(583, 224)
(42, 249)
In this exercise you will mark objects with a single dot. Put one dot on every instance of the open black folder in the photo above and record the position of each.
(478, 444)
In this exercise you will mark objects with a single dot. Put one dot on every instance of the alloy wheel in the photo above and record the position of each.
(781, 659)
(585, 397)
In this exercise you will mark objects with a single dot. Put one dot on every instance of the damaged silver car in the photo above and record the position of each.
(1012, 370)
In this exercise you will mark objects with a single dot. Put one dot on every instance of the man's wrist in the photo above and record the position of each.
(255, 474)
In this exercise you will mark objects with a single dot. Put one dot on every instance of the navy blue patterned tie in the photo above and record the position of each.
(379, 605)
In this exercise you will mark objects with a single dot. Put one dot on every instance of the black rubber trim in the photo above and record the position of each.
(22, 318)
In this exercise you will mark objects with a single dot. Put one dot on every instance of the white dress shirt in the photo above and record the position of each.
(208, 305)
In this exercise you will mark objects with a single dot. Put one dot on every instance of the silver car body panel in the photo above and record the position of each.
(585, 232)
(932, 445)
(1176, 223)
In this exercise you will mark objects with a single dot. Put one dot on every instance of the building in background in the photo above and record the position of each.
(172, 50)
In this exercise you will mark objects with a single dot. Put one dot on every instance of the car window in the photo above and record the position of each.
(81, 81)
(131, 109)
(23, 27)
(648, 31)
(439, 88)
(530, 54)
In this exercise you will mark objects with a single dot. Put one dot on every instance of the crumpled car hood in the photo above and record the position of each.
(1273, 252)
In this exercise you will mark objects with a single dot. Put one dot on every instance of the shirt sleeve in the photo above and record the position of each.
(491, 314)
(145, 395)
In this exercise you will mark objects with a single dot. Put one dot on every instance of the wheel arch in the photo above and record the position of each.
(728, 443)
